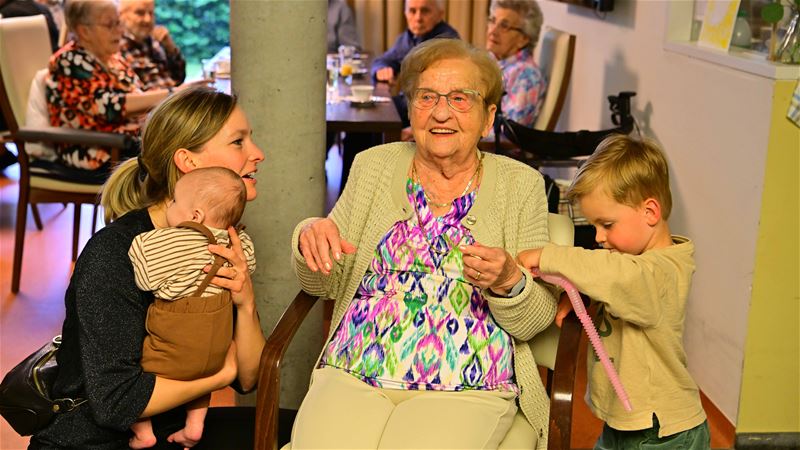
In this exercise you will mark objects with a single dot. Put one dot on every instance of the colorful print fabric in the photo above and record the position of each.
(415, 322)
(525, 87)
(83, 93)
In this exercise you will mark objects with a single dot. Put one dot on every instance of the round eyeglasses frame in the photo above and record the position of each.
(451, 98)
(502, 25)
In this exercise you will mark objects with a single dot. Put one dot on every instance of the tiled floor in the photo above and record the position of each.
(36, 313)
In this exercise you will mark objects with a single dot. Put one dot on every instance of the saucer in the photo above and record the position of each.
(358, 104)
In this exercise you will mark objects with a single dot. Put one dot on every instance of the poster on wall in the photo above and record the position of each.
(718, 22)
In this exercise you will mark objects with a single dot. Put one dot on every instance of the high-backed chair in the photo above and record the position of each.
(24, 50)
(554, 348)
(556, 54)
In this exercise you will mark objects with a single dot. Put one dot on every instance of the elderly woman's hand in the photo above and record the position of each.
(235, 277)
(318, 241)
(490, 268)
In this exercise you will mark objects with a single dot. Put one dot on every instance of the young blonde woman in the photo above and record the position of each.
(104, 326)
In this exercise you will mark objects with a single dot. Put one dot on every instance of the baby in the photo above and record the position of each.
(640, 279)
(190, 323)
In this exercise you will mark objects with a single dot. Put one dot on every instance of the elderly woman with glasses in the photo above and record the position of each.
(427, 347)
(511, 35)
(90, 86)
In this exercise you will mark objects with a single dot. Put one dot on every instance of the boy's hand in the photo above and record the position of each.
(529, 259)
(564, 308)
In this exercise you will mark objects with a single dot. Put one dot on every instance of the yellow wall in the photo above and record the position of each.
(771, 377)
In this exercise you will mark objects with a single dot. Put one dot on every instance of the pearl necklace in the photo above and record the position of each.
(415, 177)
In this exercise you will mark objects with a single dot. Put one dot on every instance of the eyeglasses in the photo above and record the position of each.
(503, 26)
(108, 26)
(462, 100)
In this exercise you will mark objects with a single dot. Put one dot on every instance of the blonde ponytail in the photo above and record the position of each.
(188, 119)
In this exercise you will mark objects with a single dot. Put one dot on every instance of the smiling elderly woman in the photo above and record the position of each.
(431, 317)
(512, 32)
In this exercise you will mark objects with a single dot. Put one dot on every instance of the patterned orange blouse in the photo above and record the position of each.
(84, 93)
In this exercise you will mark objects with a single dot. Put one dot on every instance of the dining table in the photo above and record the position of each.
(344, 114)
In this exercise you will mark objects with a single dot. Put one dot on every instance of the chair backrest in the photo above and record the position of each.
(545, 344)
(24, 50)
(556, 54)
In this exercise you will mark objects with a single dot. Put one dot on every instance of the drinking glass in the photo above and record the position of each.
(333, 78)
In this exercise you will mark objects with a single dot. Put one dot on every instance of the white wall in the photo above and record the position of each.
(713, 123)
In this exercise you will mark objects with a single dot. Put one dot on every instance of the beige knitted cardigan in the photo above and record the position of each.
(510, 211)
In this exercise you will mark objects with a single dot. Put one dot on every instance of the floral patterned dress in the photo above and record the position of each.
(84, 93)
(415, 322)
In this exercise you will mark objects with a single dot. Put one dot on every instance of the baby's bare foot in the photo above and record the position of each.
(189, 436)
(137, 442)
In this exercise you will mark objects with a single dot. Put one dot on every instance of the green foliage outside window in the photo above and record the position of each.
(199, 27)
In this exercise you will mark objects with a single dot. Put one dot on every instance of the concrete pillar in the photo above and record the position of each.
(278, 71)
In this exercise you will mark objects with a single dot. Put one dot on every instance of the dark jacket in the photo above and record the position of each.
(407, 41)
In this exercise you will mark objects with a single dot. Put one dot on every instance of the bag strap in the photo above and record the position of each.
(63, 405)
(218, 260)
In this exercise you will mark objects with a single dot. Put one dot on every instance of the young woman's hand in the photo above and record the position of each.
(319, 240)
(235, 277)
(230, 368)
(490, 268)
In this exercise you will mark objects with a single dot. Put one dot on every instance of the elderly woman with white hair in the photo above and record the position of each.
(428, 339)
(512, 32)
(90, 86)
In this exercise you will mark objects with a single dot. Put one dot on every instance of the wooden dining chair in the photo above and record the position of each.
(25, 50)
(555, 349)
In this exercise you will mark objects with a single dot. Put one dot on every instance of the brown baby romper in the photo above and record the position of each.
(188, 338)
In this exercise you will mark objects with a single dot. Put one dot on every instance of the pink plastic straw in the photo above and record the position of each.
(591, 331)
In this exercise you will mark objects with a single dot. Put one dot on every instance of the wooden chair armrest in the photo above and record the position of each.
(63, 135)
(266, 433)
(561, 395)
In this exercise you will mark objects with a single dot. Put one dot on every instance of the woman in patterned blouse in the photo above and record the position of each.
(428, 338)
(91, 87)
(511, 35)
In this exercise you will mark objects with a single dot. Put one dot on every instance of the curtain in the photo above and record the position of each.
(381, 21)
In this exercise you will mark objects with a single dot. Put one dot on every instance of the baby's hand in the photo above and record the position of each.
(529, 259)
(564, 308)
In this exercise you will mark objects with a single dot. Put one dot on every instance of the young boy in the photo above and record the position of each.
(190, 323)
(641, 279)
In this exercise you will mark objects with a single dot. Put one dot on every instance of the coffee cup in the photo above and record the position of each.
(362, 93)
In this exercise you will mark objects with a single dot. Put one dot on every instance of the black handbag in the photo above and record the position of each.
(25, 400)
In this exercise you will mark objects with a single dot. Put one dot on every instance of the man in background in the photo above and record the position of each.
(425, 19)
(149, 48)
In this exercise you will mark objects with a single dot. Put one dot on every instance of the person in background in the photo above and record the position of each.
(90, 86)
(512, 32)
(190, 323)
(148, 48)
(640, 280)
(341, 26)
(428, 341)
(425, 19)
(104, 326)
